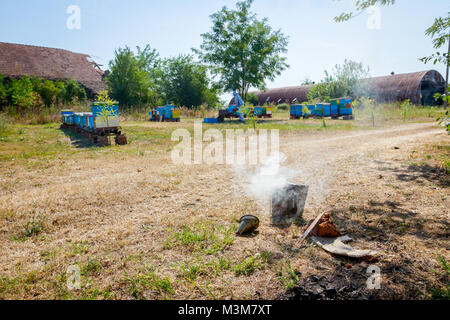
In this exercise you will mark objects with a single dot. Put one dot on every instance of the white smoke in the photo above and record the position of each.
(260, 182)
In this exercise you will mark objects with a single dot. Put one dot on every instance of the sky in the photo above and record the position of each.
(385, 39)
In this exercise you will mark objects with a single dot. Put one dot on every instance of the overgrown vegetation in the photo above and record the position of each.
(342, 81)
(143, 79)
(36, 98)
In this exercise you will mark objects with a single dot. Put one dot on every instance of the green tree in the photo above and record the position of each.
(361, 5)
(21, 94)
(252, 99)
(440, 33)
(49, 92)
(128, 80)
(72, 91)
(3, 93)
(344, 80)
(186, 82)
(242, 50)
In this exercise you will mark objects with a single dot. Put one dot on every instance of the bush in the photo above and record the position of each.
(4, 123)
(283, 107)
(252, 99)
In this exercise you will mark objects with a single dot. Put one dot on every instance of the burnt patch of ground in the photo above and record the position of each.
(342, 284)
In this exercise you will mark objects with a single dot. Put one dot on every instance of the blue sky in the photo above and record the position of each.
(173, 27)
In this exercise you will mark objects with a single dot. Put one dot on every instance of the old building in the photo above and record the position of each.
(17, 60)
(419, 87)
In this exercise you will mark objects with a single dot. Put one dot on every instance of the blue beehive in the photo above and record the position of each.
(326, 107)
(104, 116)
(210, 120)
(319, 109)
(257, 111)
(77, 119)
(292, 110)
(312, 109)
(334, 110)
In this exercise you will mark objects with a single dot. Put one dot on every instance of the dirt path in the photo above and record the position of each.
(320, 161)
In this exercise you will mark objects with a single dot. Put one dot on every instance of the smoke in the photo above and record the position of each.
(260, 182)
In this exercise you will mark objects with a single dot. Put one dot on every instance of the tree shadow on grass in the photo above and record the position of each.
(419, 173)
(380, 220)
(78, 139)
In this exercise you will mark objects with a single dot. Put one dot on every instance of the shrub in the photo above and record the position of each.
(252, 99)
(283, 107)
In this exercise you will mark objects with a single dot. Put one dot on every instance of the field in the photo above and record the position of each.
(140, 227)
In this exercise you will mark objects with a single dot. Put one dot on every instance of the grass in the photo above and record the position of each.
(117, 211)
(287, 276)
(148, 280)
(209, 240)
(249, 266)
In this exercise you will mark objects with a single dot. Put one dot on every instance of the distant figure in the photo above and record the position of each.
(392, 73)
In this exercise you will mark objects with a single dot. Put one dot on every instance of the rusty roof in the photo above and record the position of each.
(397, 87)
(17, 60)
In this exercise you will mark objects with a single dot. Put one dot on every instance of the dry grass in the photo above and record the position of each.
(140, 227)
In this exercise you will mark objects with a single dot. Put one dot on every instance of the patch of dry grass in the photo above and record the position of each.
(140, 227)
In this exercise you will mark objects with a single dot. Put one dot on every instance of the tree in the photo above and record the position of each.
(440, 33)
(73, 90)
(3, 93)
(241, 50)
(49, 92)
(186, 82)
(343, 80)
(307, 81)
(21, 94)
(252, 99)
(362, 5)
(128, 80)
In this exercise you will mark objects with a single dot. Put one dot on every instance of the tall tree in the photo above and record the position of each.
(343, 80)
(186, 82)
(129, 78)
(242, 50)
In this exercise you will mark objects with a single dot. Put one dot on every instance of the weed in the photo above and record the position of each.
(191, 270)
(149, 280)
(80, 248)
(442, 292)
(91, 267)
(33, 227)
(287, 276)
(209, 240)
(248, 266)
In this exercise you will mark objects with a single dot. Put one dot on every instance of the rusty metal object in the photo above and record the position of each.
(121, 140)
(288, 204)
(248, 224)
(418, 87)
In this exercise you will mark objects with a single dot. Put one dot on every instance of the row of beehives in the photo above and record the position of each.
(102, 121)
(166, 113)
(335, 109)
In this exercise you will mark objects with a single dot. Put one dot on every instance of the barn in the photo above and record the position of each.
(17, 60)
(418, 87)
